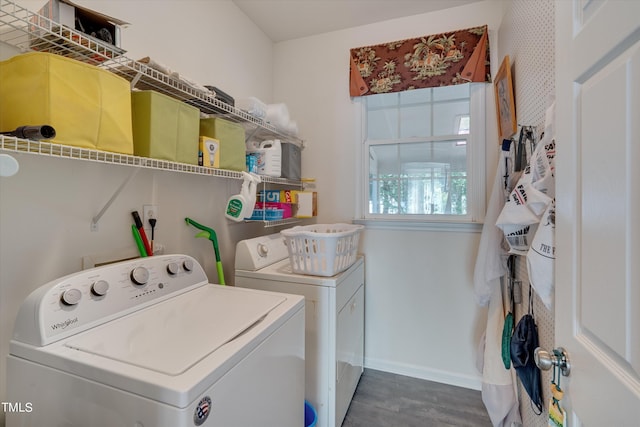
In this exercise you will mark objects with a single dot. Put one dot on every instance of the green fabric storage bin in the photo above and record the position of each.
(88, 107)
(231, 136)
(164, 128)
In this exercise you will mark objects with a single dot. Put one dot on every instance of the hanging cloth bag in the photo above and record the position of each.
(523, 343)
(507, 329)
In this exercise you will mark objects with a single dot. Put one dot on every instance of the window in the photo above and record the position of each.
(424, 154)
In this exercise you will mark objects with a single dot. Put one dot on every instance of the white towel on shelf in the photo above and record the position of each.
(253, 106)
(292, 128)
(278, 115)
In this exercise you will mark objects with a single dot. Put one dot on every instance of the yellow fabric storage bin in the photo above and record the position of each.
(231, 136)
(88, 107)
(164, 128)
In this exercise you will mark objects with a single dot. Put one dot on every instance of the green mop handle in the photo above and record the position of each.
(220, 272)
(208, 233)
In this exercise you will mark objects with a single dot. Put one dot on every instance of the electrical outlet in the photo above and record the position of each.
(149, 212)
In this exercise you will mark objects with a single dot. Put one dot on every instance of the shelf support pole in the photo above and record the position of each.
(96, 219)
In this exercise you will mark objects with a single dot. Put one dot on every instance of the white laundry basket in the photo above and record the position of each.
(322, 249)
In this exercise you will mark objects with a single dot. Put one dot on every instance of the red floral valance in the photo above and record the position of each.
(438, 60)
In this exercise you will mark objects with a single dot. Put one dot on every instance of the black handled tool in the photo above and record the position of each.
(32, 132)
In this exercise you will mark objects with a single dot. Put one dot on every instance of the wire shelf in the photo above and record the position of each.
(144, 77)
(27, 31)
(277, 223)
(10, 143)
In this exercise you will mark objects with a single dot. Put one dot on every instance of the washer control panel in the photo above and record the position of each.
(85, 299)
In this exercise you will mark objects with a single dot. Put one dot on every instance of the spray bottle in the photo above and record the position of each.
(241, 204)
(251, 199)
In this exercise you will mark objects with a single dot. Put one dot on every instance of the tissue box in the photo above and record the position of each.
(285, 208)
(307, 204)
(232, 144)
(87, 106)
(277, 196)
(266, 214)
(164, 128)
(84, 20)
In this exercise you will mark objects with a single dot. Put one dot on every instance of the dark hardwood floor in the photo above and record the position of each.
(384, 399)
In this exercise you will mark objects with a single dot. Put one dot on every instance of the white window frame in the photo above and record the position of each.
(476, 191)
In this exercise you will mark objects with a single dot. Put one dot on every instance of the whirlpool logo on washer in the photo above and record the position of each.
(202, 411)
(65, 324)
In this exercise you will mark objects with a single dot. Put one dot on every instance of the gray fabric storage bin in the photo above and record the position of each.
(291, 161)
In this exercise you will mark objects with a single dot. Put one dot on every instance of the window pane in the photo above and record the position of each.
(382, 100)
(446, 117)
(419, 178)
(427, 178)
(415, 96)
(415, 121)
(384, 196)
(425, 184)
(383, 160)
(382, 124)
(451, 92)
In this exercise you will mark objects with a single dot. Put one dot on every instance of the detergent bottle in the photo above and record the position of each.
(269, 157)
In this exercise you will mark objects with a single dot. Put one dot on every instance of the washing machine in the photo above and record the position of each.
(151, 343)
(334, 320)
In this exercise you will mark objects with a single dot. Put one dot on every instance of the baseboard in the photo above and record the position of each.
(444, 377)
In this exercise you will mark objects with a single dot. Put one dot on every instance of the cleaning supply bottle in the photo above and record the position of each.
(251, 197)
(240, 206)
(268, 157)
(236, 205)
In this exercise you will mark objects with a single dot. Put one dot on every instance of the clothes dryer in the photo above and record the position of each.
(334, 320)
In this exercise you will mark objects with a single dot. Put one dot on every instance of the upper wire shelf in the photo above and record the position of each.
(18, 145)
(27, 30)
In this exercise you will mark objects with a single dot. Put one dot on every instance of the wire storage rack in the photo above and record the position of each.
(29, 31)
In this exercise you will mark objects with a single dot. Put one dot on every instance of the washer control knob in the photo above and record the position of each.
(172, 268)
(139, 275)
(100, 288)
(71, 296)
(187, 265)
(263, 250)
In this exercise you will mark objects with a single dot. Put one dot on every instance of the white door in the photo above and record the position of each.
(597, 312)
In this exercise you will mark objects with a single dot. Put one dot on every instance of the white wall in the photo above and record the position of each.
(421, 318)
(46, 209)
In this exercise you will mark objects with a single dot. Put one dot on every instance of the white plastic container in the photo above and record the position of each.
(322, 249)
(269, 158)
